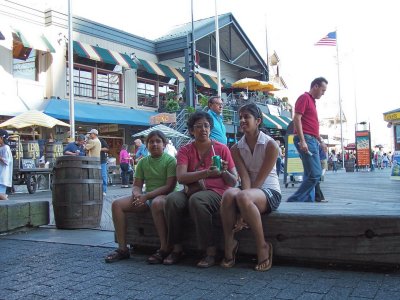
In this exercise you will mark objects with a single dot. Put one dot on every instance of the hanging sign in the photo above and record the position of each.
(163, 118)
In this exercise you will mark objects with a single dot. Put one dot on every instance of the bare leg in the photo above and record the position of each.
(251, 204)
(119, 208)
(157, 211)
(228, 218)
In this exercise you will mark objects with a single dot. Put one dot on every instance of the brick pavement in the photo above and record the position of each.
(39, 270)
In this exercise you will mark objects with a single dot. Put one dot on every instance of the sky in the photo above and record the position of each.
(369, 61)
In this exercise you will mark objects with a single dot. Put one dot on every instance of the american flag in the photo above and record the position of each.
(328, 40)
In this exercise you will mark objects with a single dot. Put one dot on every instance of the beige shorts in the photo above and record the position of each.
(324, 164)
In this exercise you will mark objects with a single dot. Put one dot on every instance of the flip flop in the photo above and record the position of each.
(266, 264)
(229, 263)
(206, 262)
(173, 258)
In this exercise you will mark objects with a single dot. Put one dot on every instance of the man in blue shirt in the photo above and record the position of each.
(76, 148)
(141, 150)
(218, 132)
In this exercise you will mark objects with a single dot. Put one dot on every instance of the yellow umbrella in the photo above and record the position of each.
(33, 118)
(245, 83)
(264, 86)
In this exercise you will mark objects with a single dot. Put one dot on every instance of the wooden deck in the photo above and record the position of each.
(359, 224)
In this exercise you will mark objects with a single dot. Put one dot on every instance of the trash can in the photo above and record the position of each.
(77, 192)
(349, 165)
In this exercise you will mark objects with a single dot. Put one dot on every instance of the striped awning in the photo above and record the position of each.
(33, 40)
(276, 122)
(104, 55)
(208, 81)
(162, 70)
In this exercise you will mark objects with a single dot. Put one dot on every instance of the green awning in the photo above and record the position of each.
(276, 122)
(100, 54)
(34, 41)
(162, 70)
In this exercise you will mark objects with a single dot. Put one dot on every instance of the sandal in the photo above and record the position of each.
(229, 263)
(158, 257)
(173, 258)
(206, 262)
(266, 264)
(117, 255)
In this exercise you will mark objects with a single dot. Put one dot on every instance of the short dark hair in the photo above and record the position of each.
(254, 110)
(197, 115)
(158, 133)
(318, 81)
(211, 99)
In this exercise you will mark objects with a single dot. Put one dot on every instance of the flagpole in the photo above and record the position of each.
(217, 50)
(340, 98)
(71, 73)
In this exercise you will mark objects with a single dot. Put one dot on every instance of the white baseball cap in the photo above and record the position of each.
(94, 131)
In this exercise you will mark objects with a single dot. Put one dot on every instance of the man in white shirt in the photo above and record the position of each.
(93, 145)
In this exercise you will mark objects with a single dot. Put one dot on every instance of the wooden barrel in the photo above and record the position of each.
(30, 149)
(77, 192)
(52, 151)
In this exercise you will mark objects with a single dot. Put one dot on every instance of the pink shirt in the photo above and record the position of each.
(124, 157)
(305, 106)
(189, 156)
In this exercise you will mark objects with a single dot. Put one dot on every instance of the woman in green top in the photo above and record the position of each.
(158, 172)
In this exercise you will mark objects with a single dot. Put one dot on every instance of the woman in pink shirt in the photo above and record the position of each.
(124, 161)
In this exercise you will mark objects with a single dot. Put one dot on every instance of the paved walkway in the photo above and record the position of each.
(68, 264)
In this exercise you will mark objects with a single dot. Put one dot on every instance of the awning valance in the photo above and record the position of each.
(208, 81)
(33, 40)
(104, 55)
(276, 122)
(103, 114)
(162, 70)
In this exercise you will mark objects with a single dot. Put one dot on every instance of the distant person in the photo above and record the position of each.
(323, 157)
(170, 149)
(124, 162)
(93, 145)
(218, 132)
(76, 148)
(158, 173)
(334, 160)
(103, 162)
(141, 150)
(6, 165)
(279, 158)
(307, 140)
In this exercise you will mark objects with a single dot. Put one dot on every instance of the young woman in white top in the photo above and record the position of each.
(255, 158)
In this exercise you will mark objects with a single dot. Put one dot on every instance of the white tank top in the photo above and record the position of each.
(253, 162)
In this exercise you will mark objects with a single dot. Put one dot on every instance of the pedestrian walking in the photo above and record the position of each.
(6, 165)
(307, 140)
(103, 162)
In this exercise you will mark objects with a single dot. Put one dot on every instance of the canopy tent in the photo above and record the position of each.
(33, 118)
(168, 131)
(245, 83)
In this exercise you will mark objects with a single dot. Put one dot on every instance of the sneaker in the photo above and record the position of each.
(322, 201)
(104, 194)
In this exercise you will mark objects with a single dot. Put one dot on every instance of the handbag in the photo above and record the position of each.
(200, 185)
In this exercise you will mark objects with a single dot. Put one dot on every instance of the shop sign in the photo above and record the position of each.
(392, 116)
(108, 128)
(163, 118)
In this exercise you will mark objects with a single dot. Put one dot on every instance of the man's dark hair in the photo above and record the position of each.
(211, 100)
(158, 133)
(197, 115)
(318, 81)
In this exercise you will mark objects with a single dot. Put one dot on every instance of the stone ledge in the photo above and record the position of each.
(15, 215)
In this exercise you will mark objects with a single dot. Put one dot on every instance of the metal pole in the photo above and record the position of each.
(217, 50)
(340, 98)
(193, 55)
(71, 72)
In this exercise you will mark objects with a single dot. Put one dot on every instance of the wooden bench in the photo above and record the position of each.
(307, 232)
(14, 215)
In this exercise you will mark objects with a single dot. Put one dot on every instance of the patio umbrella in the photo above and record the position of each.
(264, 86)
(33, 118)
(168, 131)
(245, 83)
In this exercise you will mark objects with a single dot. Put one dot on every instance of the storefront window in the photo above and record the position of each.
(146, 90)
(25, 63)
(91, 81)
